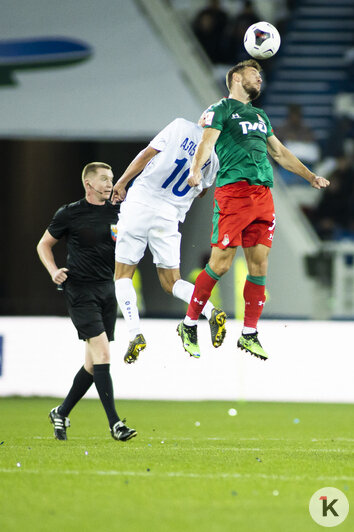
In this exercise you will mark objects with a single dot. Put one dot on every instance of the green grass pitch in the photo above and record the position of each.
(192, 467)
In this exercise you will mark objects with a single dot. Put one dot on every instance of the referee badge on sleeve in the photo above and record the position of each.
(114, 232)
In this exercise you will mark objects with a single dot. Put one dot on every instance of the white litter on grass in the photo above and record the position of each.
(232, 412)
(275, 493)
(197, 423)
(18, 464)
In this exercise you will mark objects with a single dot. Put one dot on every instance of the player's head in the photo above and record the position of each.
(246, 73)
(98, 177)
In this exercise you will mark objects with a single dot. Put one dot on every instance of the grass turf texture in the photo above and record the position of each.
(255, 471)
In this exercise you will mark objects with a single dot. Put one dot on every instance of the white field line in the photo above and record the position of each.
(186, 438)
(179, 474)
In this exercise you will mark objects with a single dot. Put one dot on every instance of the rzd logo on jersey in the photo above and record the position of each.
(248, 126)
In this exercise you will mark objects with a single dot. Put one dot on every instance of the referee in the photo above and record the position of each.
(89, 228)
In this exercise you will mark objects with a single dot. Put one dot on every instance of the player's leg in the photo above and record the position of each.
(98, 349)
(108, 307)
(127, 301)
(132, 231)
(59, 415)
(83, 380)
(257, 240)
(172, 283)
(219, 263)
(254, 296)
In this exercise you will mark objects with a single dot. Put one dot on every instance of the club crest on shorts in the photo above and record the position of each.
(114, 232)
(225, 240)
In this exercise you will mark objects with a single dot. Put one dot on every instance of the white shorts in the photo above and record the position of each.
(139, 226)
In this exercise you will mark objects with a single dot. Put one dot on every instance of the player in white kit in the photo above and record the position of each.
(152, 208)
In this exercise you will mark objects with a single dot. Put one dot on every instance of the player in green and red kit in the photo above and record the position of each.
(243, 205)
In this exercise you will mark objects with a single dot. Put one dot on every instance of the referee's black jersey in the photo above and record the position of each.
(90, 232)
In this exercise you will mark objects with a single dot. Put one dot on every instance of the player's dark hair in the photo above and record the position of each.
(93, 167)
(239, 68)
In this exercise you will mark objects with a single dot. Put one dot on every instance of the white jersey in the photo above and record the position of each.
(163, 182)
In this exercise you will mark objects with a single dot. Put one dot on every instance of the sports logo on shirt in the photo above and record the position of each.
(271, 229)
(114, 232)
(225, 240)
(208, 118)
(248, 126)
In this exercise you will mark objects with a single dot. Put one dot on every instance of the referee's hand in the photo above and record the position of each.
(59, 276)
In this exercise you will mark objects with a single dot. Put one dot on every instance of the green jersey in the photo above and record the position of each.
(242, 143)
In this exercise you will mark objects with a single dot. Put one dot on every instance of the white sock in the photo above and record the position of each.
(184, 290)
(248, 330)
(126, 297)
(188, 321)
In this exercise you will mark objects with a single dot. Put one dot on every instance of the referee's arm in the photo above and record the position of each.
(45, 252)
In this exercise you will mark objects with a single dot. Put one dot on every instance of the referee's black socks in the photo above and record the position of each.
(103, 382)
(81, 383)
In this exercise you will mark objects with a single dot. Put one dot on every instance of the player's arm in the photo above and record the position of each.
(202, 154)
(289, 161)
(136, 166)
(45, 252)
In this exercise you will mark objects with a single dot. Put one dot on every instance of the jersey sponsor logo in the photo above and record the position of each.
(248, 126)
(225, 240)
(235, 115)
(209, 115)
(114, 232)
(188, 146)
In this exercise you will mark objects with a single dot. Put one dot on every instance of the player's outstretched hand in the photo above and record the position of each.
(59, 277)
(119, 192)
(319, 182)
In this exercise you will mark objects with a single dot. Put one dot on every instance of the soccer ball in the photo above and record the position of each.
(262, 40)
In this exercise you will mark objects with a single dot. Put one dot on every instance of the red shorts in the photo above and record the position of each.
(243, 215)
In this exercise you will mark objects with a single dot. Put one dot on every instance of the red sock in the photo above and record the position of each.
(254, 296)
(202, 290)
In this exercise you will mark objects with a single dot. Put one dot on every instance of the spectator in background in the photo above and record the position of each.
(233, 49)
(294, 128)
(333, 218)
(299, 139)
(209, 26)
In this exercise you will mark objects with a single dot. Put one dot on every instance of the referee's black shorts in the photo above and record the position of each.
(92, 308)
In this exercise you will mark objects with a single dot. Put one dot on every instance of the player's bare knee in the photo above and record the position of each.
(220, 267)
(258, 268)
